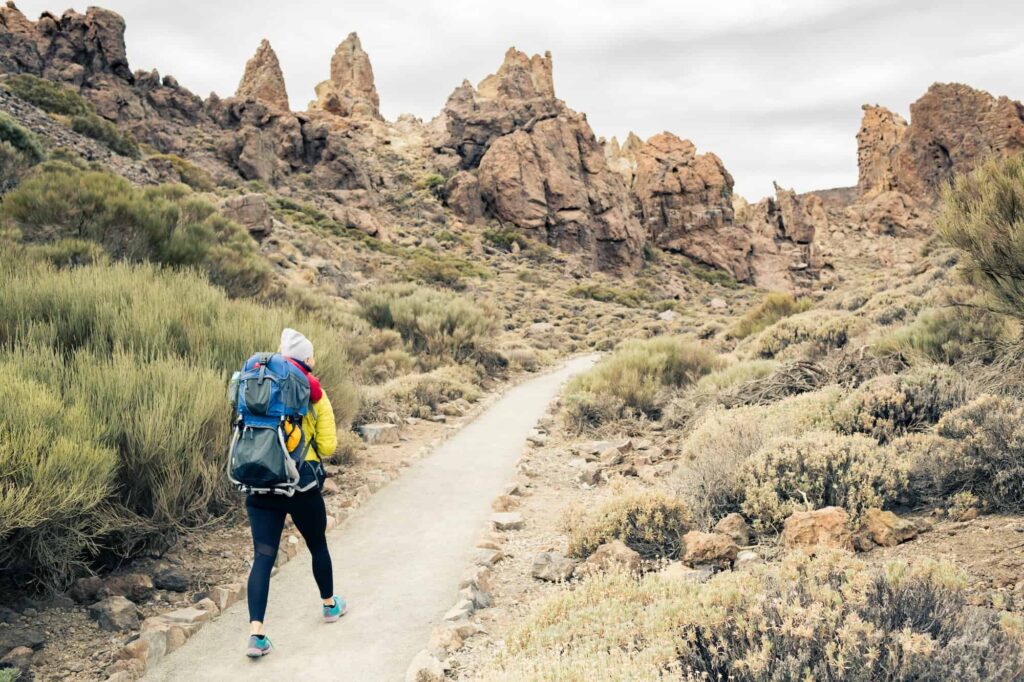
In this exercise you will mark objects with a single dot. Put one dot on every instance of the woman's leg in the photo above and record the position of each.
(310, 518)
(266, 522)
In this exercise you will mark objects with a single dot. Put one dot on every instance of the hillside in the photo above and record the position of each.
(828, 368)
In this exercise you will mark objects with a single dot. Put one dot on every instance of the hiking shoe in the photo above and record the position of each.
(333, 613)
(258, 646)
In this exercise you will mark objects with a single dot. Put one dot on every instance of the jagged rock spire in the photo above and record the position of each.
(263, 80)
(351, 90)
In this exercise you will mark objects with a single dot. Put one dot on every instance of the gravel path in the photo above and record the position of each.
(397, 561)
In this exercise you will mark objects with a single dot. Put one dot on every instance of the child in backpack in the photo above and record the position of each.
(267, 512)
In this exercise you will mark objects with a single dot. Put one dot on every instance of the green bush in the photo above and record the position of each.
(47, 95)
(437, 326)
(818, 469)
(830, 617)
(651, 523)
(981, 215)
(890, 406)
(640, 375)
(820, 330)
(21, 139)
(102, 130)
(774, 307)
(163, 224)
(948, 335)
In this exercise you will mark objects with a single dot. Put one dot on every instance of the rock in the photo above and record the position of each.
(379, 434)
(86, 590)
(552, 567)
(504, 521)
(735, 526)
(613, 555)
(715, 549)
(19, 657)
(135, 586)
(19, 637)
(425, 667)
(251, 211)
(678, 571)
(828, 527)
(589, 474)
(886, 529)
(351, 90)
(171, 578)
(263, 80)
(462, 195)
(115, 613)
(746, 558)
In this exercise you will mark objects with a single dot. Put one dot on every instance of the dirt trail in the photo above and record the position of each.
(397, 561)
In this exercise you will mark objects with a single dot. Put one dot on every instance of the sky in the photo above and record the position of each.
(773, 87)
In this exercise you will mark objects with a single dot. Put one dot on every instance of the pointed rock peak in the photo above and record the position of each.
(351, 90)
(520, 77)
(263, 80)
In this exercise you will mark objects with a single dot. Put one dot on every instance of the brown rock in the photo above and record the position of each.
(716, 549)
(251, 211)
(887, 529)
(734, 526)
(612, 555)
(351, 91)
(828, 527)
(263, 80)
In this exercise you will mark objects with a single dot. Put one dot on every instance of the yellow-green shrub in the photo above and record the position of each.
(650, 522)
(818, 469)
(775, 306)
(820, 330)
(889, 406)
(830, 617)
(638, 376)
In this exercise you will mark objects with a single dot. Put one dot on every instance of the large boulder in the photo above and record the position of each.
(350, 91)
(828, 527)
(263, 80)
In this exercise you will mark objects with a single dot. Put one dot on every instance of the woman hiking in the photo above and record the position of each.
(267, 512)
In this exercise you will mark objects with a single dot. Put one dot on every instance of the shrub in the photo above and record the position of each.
(830, 617)
(105, 132)
(948, 335)
(981, 215)
(649, 522)
(818, 469)
(639, 373)
(771, 309)
(889, 406)
(722, 440)
(987, 453)
(21, 139)
(164, 224)
(437, 325)
(821, 330)
(48, 95)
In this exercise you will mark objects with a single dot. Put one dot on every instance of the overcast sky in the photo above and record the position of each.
(773, 87)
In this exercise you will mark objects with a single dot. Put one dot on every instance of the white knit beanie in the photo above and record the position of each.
(296, 346)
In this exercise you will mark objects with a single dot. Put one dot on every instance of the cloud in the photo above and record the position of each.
(773, 88)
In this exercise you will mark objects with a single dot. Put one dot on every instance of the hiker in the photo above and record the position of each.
(306, 506)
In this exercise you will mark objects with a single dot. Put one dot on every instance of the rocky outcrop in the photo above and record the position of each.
(539, 165)
(952, 129)
(350, 91)
(263, 80)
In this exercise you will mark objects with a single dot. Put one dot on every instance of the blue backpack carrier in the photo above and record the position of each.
(270, 397)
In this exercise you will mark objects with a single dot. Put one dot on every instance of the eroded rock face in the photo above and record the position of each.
(263, 80)
(351, 90)
(953, 128)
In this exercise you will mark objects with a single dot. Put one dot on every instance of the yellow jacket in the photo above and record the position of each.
(319, 428)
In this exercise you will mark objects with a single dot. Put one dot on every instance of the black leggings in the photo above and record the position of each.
(266, 518)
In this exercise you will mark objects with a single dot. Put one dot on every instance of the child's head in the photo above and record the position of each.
(296, 346)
